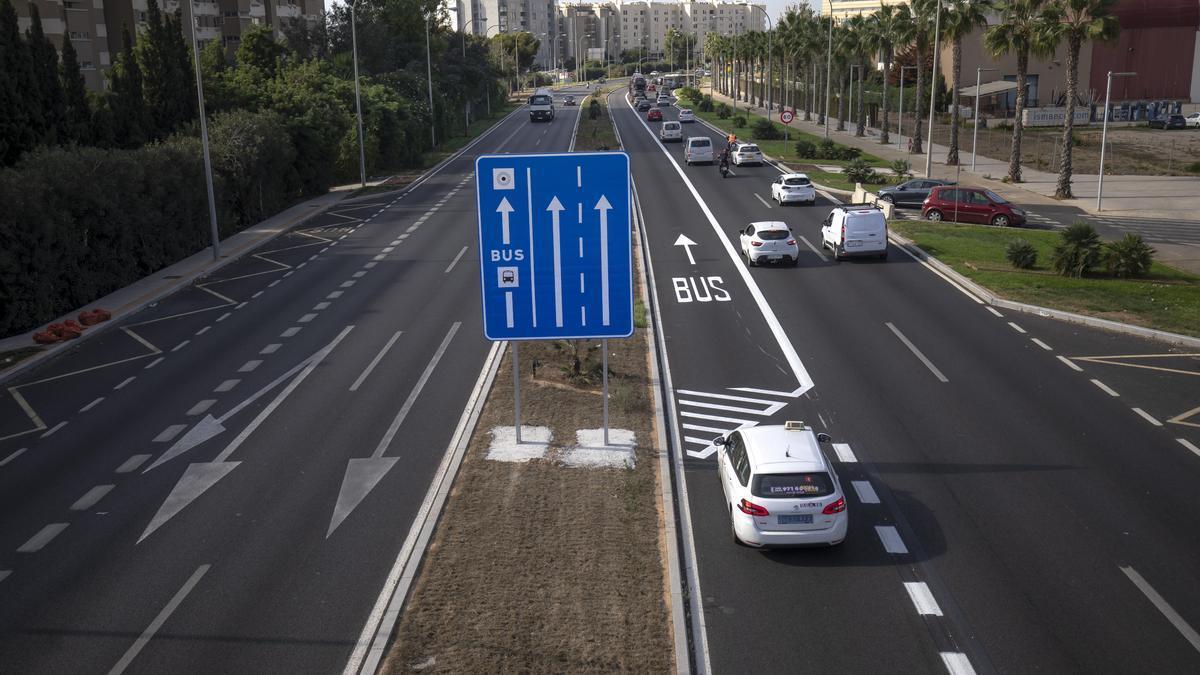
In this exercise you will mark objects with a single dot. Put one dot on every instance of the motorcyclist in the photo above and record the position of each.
(724, 162)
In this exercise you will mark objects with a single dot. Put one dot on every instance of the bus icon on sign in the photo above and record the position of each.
(508, 277)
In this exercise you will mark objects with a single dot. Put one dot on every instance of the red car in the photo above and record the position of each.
(971, 205)
(655, 115)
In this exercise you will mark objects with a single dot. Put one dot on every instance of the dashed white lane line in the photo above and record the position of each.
(91, 405)
(379, 257)
(1070, 364)
(375, 361)
(1189, 445)
(273, 284)
(455, 261)
(306, 318)
(1163, 606)
(320, 306)
(201, 407)
(1016, 327)
(917, 352)
(54, 428)
(312, 257)
(302, 264)
(132, 463)
(890, 538)
(396, 242)
(202, 331)
(123, 383)
(412, 229)
(388, 249)
(288, 273)
(347, 284)
(957, 663)
(844, 453)
(1105, 388)
(256, 294)
(242, 304)
(1147, 416)
(4, 574)
(156, 624)
(181, 345)
(223, 317)
(359, 274)
(335, 295)
(369, 265)
(153, 363)
(866, 493)
(249, 366)
(167, 435)
(922, 598)
(271, 348)
(91, 497)
(226, 386)
(1041, 344)
(402, 237)
(764, 202)
(324, 249)
(290, 332)
(44, 536)
(13, 456)
(814, 249)
(994, 311)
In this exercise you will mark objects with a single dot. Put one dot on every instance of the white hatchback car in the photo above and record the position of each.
(686, 115)
(793, 187)
(746, 153)
(1192, 120)
(779, 488)
(670, 131)
(769, 241)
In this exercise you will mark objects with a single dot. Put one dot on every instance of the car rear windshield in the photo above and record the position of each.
(796, 181)
(700, 143)
(671, 125)
(766, 235)
(539, 100)
(864, 223)
(749, 148)
(790, 485)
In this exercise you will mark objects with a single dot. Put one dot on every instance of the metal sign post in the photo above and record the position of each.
(516, 361)
(555, 251)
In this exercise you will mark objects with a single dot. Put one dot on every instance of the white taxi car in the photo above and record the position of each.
(769, 241)
(793, 187)
(670, 131)
(779, 488)
(686, 115)
(746, 153)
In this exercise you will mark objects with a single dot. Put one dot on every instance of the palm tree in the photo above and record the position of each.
(857, 26)
(960, 19)
(1078, 21)
(917, 29)
(845, 46)
(1023, 28)
(883, 28)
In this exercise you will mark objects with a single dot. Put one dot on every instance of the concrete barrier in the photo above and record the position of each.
(862, 196)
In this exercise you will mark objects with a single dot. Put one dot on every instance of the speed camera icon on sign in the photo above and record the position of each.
(503, 179)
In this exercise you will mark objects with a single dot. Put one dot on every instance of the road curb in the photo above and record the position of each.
(1061, 315)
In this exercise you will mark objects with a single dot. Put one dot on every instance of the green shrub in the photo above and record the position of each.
(723, 111)
(857, 171)
(1128, 257)
(1021, 254)
(902, 169)
(739, 121)
(847, 153)
(765, 130)
(594, 109)
(690, 93)
(806, 149)
(826, 149)
(1078, 251)
(1194, 167)
(706, 104)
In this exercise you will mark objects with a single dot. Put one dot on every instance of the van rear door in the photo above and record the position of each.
(866, 232)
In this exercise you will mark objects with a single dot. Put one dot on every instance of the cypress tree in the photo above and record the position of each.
(158, 73)
(184, 91)
(126, 100)
(77, 114)
(17, 129)
(45, 74)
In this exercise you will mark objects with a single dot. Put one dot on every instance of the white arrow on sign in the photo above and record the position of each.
(504, 209)
(603, 207)
(555, 208)
(687, 245)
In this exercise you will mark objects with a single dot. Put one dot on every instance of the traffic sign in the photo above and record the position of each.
(787, 116)
(555, 248)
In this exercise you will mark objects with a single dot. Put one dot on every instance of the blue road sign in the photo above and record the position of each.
(555, 249)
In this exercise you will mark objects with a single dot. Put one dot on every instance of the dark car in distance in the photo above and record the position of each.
(911, 192)
(1168, 122)
(644, 105)
(971, 205)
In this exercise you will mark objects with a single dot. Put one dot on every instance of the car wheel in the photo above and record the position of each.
(1000, 221)
(796, 260)
(887, 198)
(934, 215)
(883, 256)
(750, 261)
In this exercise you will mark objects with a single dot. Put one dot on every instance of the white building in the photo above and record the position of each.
(491, 17)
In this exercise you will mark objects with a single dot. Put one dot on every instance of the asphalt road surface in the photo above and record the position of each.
(1014, 506)
(318, 380)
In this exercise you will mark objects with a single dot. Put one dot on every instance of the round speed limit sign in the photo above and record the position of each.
(786, 117)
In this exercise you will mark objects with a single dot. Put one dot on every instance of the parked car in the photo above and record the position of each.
(655, 115)
(746, 153)
(697, 149)
(855, 231)
(793, 187)
(1192, 120)
(643, 105)
(670, 131)
(912, 192)
(686, 115)
(971, 205)
(769, 241)
(1168, 122)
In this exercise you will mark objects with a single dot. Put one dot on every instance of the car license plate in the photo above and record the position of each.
(775, 257)
(804, 519)
(852, 244)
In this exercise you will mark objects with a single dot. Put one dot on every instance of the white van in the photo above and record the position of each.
(670, 131)
(698, 149)
(855, 230)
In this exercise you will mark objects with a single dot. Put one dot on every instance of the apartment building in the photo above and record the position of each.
(85, 23)
(841, 9)
(492, 17)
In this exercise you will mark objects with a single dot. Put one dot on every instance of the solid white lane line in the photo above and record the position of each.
(226, 386)
(158, 621)
(167, 435)
(13, 456)
(814, 249)
(1105, 388)
(375, 361)
(1016, 327)
(866, 493)
(290, 332)
(306, 318)
(271, 348)
(764, 202)
(1163, 606)
(890, 538)
(334, 295)
(223, 316)
(89, 499)
(125, 382)
(201, 407)
(1041, 344)
(957, 663)
(922, 598)
(455, 261)
(44, 536)
(91, 405)
(994, 311)
(321, 306)
(153, 363)
(931, 268)
(1189, 445)
(917, 352)
(1148, 417)
(132, 463)
(844, 453)
(202, 331)
(250, 366)
(54, 428)
(1070, 364)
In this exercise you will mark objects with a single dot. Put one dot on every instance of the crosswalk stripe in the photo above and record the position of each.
(716, 418)
(697, 441)
(730, 408)
(699, 427)
(727, 397)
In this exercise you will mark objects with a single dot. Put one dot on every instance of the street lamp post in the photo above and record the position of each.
(429, 80)
(975, 133)
(362, 152)
(900, 120)
(1104, 134)
(828, 68)
(214, 233)
(937, 27)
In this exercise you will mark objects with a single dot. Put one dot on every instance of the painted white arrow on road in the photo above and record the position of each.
(687, 245)
(362, 475)
(201, 476)
(504, 209)
(603, 206)
(555, 208)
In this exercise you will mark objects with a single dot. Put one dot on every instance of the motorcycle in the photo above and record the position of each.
(723, 167)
